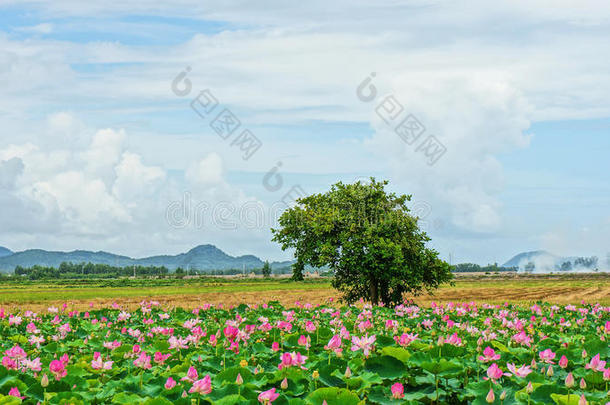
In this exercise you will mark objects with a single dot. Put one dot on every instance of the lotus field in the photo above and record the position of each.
(442, 354)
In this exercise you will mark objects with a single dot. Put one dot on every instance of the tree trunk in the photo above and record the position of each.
(374, 294)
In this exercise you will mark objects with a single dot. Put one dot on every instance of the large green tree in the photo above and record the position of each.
(368, 238)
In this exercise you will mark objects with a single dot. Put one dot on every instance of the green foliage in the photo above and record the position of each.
(266, 269)
(297, 271)
(475, 268)
(90, 270)
(367, 237)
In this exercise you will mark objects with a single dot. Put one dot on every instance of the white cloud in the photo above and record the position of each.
(207, 171)
(476, 75)
(136, 180)
(43, 28)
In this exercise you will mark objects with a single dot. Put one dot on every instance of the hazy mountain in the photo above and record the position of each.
(5, 252)
(542, 262)
(522, 259)
(204, 257)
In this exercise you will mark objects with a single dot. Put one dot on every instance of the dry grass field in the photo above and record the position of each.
(559, 289)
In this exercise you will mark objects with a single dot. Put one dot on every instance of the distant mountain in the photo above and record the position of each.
(541, 261)
(538, 255)
(5, 252)
(204, 257)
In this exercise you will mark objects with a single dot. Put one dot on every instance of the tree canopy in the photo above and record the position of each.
(367, 237)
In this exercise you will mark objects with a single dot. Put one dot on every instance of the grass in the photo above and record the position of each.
(44, 291)
(561, 289)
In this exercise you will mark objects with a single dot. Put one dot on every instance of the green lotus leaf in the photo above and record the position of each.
(386, 367)
(333, 396)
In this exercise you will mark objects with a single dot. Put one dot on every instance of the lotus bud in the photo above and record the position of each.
(569, 380)
(549, 371)
(503, 395)
(348, 372)
(563, 362)
(543, 370)
(315, 375)
(529, 388)
(584, 354)
(284, 384)
(583, 384)
(44, 381)
(582, 400)
(533, 365)
(239, 380)
(490, 396)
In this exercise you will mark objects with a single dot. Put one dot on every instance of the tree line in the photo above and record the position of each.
(475, 268)
(68, 270)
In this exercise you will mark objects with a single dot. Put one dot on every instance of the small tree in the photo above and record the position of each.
(266, 269)
(368, 239)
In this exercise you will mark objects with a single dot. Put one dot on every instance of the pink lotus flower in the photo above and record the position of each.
(14, 392)
(143, 361)
(203, 386)
(305, 341)
(495, 373)
(596, 364)
(522, 371)
(547, 356)
(453, 340)
(16, 352)
(489, 354)
(398, 391)
(160, 357)
(523, 339)
(310, 327)
(275, 346)
(191, 375)
(58, 369)
(267, 397)
(405, 339)
(170, 383)
(334, 344)
(98, 363)
(292, 359)
(365, 343)
(34, 365)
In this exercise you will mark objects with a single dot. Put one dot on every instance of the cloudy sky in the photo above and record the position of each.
(101, 147)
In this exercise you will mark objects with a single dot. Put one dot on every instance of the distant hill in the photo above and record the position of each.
(537, 255)
(542, 261)
(204, 257)
(5, 252)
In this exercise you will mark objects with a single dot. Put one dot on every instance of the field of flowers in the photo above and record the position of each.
(442, 354)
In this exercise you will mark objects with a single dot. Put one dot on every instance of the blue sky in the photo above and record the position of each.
(97, 150)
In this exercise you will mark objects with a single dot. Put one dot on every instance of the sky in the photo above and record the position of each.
(494, 116)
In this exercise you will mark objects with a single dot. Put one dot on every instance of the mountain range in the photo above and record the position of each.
(543, 261)
(209, 257)
(203, 257)
(5, 252)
